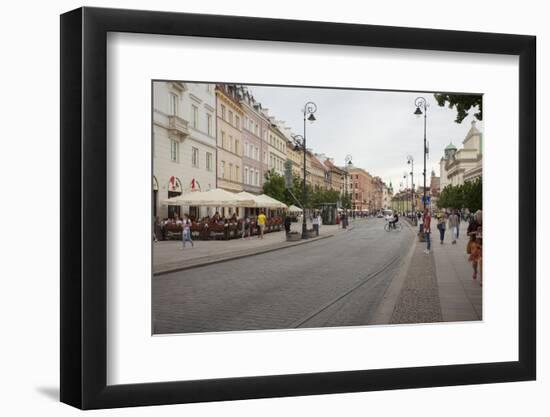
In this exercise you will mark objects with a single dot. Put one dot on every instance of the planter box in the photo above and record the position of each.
(293, 237)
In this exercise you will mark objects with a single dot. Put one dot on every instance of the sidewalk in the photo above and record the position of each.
(435, 287)
(169, 256)
(459, 294)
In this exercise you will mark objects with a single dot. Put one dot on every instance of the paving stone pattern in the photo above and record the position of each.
(280, 289)
(419, 300)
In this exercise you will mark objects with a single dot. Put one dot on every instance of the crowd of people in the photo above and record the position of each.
(450, 221)
(247, 226)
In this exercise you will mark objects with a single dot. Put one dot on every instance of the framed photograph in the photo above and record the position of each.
(257, 208)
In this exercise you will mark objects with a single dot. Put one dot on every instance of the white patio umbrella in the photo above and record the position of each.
(269, 202)
(249, 196)
(294, 209)
(213, 198)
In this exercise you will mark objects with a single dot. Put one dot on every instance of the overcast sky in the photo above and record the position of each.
(378, 128)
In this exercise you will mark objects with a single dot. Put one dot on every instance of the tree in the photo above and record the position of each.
(274, 185)
(463, 104)
(473, 194)
(468, 195)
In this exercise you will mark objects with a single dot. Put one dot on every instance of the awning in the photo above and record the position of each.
(269, 202)
(213, 198)
(263, 201)
(294, 209)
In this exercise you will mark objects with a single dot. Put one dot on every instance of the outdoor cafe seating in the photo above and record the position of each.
(226, 231)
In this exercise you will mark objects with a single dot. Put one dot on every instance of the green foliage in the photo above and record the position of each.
(469, 195)
(274, 186)
(463, 103)
(346, 201)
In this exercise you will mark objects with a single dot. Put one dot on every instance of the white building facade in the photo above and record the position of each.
(465, 164)
(184, 143)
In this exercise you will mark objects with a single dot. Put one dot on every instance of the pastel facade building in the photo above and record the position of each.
(361, 189)
(253, 145)
(184, 143)
(229, 138)
(277, 143)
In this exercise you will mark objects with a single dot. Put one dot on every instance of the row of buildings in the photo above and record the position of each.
(218, 136)
(455, 167)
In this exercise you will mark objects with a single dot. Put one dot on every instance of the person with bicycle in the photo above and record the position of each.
(394, 220)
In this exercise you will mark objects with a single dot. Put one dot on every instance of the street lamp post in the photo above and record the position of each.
(410, 160)
(420, 104)
(308, 110)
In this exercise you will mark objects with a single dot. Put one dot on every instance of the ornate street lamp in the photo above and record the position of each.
(421, 104)
(410, 161)
(300, 142)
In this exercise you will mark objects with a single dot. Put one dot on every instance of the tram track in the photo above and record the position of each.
(346, 294)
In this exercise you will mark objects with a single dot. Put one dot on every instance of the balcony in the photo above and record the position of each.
(178, 126)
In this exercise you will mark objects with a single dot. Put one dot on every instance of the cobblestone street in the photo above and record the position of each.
(360, 276)
(336, 281)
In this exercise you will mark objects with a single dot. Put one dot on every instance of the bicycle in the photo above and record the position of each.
(388, 227)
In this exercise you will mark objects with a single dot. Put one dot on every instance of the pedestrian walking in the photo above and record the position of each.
(261, 224)
(246, 227)
(186, 231)
(426, 223)
(315, 221)
(454, 224)
(473, 247)
(441, 226)
(287, 223)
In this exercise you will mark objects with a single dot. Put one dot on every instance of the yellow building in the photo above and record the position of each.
(229, 138)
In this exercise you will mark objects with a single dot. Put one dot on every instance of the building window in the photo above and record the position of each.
(209, 124)
(195, 111)
(230, 171)
(230, 117)
(246, 175)
(223, 140)
(174, 151)
(237, 122)
(256, 130)
(256, 154)
(195, 157)
(256, 178)
(222, 169)
(237, 147)
(209, 161)
(223, 112)
(237, 173)
(231, 143)
(173, 104)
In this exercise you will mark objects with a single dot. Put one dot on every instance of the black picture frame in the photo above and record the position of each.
(84, 207)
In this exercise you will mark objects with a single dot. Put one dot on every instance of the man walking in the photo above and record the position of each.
(186, 231)
(261, 224)
(427, 219)
(454, 223)
(315, 222)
